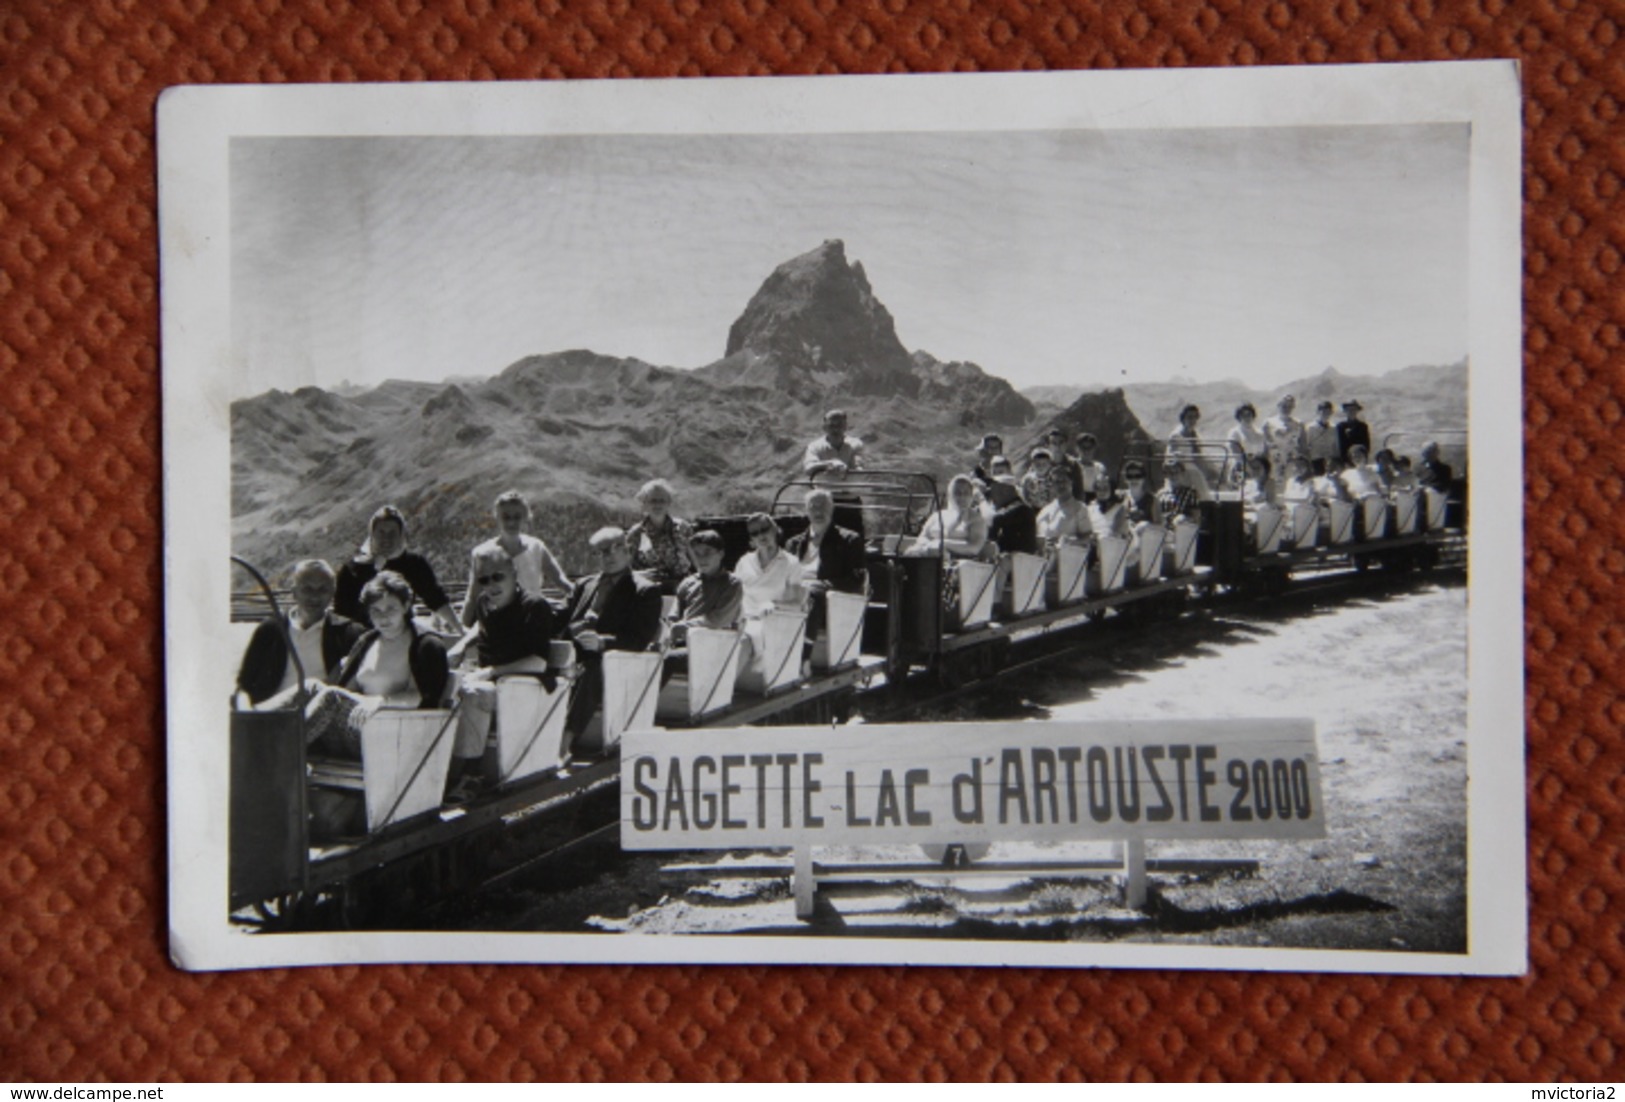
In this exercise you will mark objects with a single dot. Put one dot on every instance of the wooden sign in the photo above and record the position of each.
(972, 782)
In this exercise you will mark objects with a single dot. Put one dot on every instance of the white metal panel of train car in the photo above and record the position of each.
(1342, 525)
(713, 667)
(1027, 583)
(1113, 562)
(1436, 502)
(1268, 528)
(1407, 508)
(776, 661)
(843, 630)
(1305, 521)
(1375, 517)
(1072, 565)
(1181, 558)
(975, 592)
(1152, 538)
(530, 727)
(405, 757)
(631, 684)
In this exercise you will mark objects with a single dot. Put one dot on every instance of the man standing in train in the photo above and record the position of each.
(1351, 431)
(614, 609)
(1320, 435)
(828, 461)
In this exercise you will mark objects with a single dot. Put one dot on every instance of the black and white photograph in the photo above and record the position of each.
(1040, 519)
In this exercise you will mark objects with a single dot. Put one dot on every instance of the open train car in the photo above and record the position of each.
(367, 840)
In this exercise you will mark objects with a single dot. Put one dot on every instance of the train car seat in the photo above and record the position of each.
(708, 684)
(776, 662)
(1437, 503)
(1181, 550)
(405, 759)
(1027, 583)
(1111, 564)
(1407, 510)
(1374, 517)
(1071, 572)
(1305, 524)
(975, 593)
(1148, 563)
(1341, 529)
(530, 734)
(837, 645)
(631, 688)
(1269, 527)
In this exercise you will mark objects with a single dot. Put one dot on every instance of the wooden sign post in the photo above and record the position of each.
(971, 784)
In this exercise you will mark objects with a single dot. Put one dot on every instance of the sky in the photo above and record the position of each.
(1056, 257)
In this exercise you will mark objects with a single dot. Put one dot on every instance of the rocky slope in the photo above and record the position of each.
(578, 431)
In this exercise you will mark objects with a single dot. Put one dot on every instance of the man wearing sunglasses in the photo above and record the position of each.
(510, 635)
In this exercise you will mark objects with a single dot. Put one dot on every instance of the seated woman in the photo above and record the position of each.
(392, 666)
(1300, 483)
(960, 530)
(659, 541)
(533, 563)
(770, 575)
(1361, 479)
(1259, 486)
(1065, 519)
(385, 549)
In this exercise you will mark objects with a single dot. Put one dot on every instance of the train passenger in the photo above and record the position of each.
(1140, 504)
(1062, 458)
(991, 446)
(321, 638)
(1035, 483)
(1259, 486)
(1092, 477)
(533, 562)
(1352, 431)
(1182, 490)
(831, 557)
(1246, 439)
(960, 528)
(1065, 519)
(385, 549)
(828, 460)
(770, 575)
(1329, 480)
(510, 635)
(1435, 473)
(1185, 445)
(394, 665)
(710, 597)
(617, 608)
(1360, 478)
(1300, 483)
(1387, 467)
(1404, 478)
(659, 541)
(1284, 435)
(1014, 524)
(1320, 435)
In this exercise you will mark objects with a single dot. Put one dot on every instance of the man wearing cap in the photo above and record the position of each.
(1351, 431)
(992, 445)
(1320, 435)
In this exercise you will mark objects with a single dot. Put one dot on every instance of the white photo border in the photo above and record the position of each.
(195, 127)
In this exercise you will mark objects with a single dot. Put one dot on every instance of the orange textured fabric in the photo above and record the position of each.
(86, 991)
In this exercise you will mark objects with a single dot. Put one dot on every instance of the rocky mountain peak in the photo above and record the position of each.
(816, 325)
